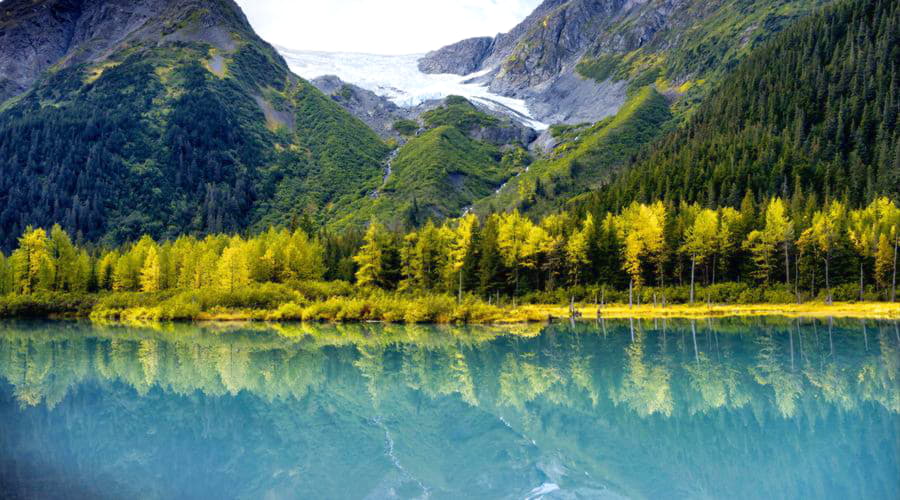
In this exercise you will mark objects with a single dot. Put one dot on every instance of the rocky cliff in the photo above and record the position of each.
(461, 58)
(572, 60)
(38, 35)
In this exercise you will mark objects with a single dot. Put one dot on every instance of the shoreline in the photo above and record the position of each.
(548, 313)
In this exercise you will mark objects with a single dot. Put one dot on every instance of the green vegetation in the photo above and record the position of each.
(156, 140)
(459, 113)
(643, 254)
(440, 172)
(698, 45)
(586, 157)
(406, 128)
(812, 115)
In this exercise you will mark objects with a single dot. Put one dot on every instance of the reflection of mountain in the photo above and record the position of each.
(670, 410)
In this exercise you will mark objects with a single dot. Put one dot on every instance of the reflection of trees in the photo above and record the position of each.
(645, 388)
(450, 395)
(572, 367)
(522, 379)
(768, 371)
(718, 385)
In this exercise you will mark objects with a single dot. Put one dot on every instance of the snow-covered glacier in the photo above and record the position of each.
(398, 78)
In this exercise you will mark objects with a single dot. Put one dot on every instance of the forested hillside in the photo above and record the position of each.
(813, 113)
(456, 156)
(178, 130)
(585, 156)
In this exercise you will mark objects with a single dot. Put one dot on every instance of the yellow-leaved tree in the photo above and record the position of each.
(32, 265)
(700, 240)
(641, 228)
(763, 243)
(516, 243)
(151, 272)
(578, 247)
(370, 256)
(824, 234)
(233, 269)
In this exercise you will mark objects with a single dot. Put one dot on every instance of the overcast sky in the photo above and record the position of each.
(379, 26)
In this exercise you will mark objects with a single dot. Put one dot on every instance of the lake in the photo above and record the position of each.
(723, 408)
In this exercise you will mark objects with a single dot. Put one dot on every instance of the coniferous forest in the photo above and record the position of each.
(812, 115)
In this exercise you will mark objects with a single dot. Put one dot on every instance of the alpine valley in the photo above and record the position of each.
(162, 119)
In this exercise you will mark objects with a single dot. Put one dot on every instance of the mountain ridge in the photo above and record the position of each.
(188, 123)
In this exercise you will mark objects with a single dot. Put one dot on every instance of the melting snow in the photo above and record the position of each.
(398, 78)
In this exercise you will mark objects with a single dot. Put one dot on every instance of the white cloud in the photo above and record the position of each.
(381, 27)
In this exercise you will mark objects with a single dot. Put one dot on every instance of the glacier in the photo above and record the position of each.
(397, 77)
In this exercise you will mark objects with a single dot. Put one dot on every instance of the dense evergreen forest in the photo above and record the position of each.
(175, 139)
(813, 114)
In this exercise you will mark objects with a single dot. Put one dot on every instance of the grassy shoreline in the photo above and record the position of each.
(545, 313)
(393, 308)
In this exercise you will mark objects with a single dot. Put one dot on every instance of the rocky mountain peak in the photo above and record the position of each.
(461, 58)
(39, 35)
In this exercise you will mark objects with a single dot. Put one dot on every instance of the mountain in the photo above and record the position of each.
(584, 156)
(164, 117)
(454, 155)
(812, 115)
(575, 61)
(167, 117)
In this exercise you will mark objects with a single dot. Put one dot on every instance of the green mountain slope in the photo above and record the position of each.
(176, 129)
(445, 169)
(685, 47)
(585, 157)
(815, 111)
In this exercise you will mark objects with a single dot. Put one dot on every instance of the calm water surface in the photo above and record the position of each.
(761, 408)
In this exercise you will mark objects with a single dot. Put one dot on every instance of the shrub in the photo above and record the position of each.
(46, 304)
(406, 127)
(321, 290)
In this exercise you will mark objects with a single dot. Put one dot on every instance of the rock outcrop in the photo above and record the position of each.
(36, 35)
(678, 40)
(378, 112)
(462, 58)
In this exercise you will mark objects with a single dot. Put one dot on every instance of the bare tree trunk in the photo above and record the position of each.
(865, 334)
(631, 294)
(516, 297)
(694, 335)
(828, 299)
(460, 286)
(791, 337)
(861, 285)
(787, 265)
(693, 266)
(894, 284)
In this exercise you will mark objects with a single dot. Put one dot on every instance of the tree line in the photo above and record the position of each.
(796, 246)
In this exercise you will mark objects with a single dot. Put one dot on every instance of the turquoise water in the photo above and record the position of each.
(761, 408)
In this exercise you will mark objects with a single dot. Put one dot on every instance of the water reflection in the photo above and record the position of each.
(743, 408)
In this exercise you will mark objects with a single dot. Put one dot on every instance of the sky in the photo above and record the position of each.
(379, 26)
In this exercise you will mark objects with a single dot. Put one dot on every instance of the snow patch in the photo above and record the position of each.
(398, 78)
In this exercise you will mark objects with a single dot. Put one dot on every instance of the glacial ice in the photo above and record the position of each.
(398, 78)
